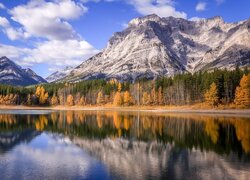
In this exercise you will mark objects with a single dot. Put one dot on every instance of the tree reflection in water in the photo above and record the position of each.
(217, 133)
(147, 145)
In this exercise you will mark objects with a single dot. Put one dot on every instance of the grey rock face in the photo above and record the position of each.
(12, 74)
(152, 46)
(59, 74)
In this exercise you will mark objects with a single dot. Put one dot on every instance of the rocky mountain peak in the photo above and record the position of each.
(152, 46)
(141, 20)
(13, 74)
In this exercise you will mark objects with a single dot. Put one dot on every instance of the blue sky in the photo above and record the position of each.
(48, 35)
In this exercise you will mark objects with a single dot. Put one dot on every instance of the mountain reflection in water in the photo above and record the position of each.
(124, 145)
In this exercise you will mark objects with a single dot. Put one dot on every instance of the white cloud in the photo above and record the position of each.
(2, 6)
(54, 53)
(4, 22)
(69, 52)
(48, 19)
(201, 6)
(13, 52)
(163, 8)
(11, 32)
(39, 18)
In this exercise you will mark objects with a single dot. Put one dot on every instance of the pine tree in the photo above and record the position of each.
(117, 99)
(29, 100)
(242, 93)
(211, 95)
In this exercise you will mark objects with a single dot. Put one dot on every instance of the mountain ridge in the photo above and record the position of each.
(13, 74)
(152, 46)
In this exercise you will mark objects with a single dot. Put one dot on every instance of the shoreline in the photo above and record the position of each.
(160, 109)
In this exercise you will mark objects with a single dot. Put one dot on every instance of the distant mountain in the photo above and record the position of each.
(152, 46)
(13, 74)
(59, 74)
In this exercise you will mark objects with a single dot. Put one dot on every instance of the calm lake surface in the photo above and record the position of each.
(122, 145)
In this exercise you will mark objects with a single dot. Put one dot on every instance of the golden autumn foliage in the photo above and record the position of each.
(117, 99)
(41, 122)
(70, 100)
(41, 95)
(160, 96)
(127, 98)
(242, 93)
(8, 99)
(211, 95)
(153, 96)
(82, 101)
(212, 129)
(100, 98)
(54, 100)
(119, 88)
(146, 98)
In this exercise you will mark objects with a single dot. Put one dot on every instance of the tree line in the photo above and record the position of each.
(211, 87)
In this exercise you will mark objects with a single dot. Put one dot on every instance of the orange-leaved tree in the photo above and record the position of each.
(41, 95)
(242, 93)
(211, 95)
(117, 99)
(127, 98)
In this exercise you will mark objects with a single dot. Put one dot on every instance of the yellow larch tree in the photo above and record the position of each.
(127, 98)
(54, 100)
(160, 96)
(41, 95)
(119, 88)
(100, 98)
(70, 100)
(145, 98)
(242, 93)
(117, 99)
(211, 95)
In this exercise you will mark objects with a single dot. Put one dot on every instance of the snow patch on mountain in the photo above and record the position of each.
(13, 74)
(59, 74)
(152, 46)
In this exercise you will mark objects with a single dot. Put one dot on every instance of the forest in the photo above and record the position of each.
(214, 88)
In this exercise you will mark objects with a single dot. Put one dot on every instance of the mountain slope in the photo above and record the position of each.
(152, 46)
(59, 74)
(13, 74)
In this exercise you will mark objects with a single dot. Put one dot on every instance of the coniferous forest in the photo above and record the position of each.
(214, 88)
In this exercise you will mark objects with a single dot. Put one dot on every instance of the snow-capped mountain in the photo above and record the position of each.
(59, 74)
(13, 74)
(152, 46)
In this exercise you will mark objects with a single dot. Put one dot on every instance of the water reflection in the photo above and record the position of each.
(131, 145)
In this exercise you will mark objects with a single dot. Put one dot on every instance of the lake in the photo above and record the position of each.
(122, 145)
